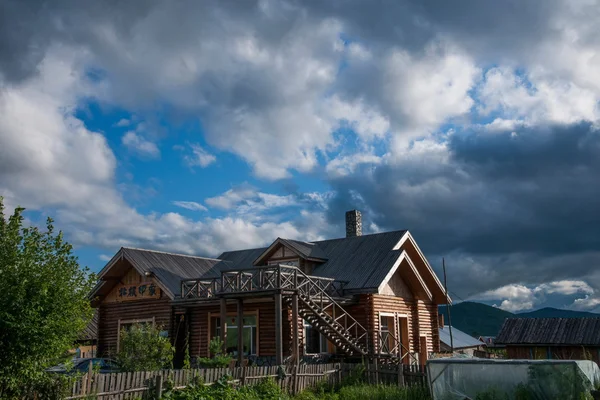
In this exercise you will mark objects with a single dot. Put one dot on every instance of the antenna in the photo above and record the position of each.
(448, 307)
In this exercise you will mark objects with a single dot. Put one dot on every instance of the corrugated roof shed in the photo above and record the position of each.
(363, 261)
(460, 339)
(550, 331)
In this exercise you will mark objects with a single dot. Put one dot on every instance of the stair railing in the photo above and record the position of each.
(305, 285)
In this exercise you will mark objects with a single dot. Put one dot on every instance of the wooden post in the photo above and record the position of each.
(223, 324)
(295, 339)
(400, 374)
(159, 385)
(240, 329)
(89, 377)
(278, 333)
(376, 371)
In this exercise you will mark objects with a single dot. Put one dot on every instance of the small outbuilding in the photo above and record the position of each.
(458, 341)
(551, 338)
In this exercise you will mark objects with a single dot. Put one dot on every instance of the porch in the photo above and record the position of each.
(312, 302)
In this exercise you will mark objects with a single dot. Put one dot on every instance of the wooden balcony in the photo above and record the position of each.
(260, 281)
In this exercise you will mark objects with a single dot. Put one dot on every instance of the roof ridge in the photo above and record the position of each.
(354, 237)
(170, 253)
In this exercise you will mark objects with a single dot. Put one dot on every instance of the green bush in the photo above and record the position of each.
(223, 389)
(142, 348)
(219, 359)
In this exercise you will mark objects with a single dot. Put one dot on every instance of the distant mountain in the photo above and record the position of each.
(479, 319)
(550, 312)
(476, 319)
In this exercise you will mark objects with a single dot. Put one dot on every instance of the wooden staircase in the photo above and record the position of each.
(324, 314)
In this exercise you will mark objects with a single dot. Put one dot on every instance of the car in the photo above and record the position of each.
(82, 365)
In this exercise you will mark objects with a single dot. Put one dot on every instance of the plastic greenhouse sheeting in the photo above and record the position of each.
(461, 379)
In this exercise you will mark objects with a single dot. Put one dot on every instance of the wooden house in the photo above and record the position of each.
(551, 338)
(358, 296)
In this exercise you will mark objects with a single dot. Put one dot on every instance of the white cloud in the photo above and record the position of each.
(518, 297)
(105, 257)
(199, 157)
(346, 165)
(367, 123)
(190, 205)
(123, 122)
(586, 303)
(137, 144)
(533, 99)
(245, 199)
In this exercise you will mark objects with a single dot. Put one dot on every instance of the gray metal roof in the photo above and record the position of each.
(170, 269)
(550, 331)
(460, 339)
(91, 330)
(306, 249)
(362, 261)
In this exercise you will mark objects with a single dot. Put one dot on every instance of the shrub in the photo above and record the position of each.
(142, 348)
(219, 358)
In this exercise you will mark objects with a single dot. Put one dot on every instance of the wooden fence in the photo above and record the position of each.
(293, 379)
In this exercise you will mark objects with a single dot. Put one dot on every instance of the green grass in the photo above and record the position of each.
(269, 390)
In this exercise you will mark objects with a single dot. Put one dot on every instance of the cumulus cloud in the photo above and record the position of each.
(137, 144)
(199, 157)
(517, 297)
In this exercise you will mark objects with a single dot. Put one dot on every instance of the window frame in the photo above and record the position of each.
(323, 341)
(122, 322)
(250, 313)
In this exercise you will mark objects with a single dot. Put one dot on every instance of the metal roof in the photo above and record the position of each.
(169, 269)
(460, 339)
(91, 330)
(362, 261)
(550, 331)
(306, 249)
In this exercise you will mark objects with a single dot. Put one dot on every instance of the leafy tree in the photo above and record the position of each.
(142, 348)
(44, 303)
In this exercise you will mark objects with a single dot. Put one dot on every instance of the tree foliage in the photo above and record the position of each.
(44, 303)
(142, 348)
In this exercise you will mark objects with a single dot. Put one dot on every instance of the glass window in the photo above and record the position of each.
(314, 341)
(249, 334)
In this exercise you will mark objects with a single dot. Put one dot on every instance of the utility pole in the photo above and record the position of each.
(448, 307)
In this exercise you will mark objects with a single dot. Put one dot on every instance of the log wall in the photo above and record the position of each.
(199, 326)
(110, 313)
(422, 319)
(554, 352)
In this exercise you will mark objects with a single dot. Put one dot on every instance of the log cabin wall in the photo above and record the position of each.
(199, 326)
(110, 314)
(554, 352)
(402, 308)
(421, 317)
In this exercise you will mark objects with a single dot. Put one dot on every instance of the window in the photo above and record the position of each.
(314, 341)
(294, 263)
(249, 334)
(127, 324)
(387, 331)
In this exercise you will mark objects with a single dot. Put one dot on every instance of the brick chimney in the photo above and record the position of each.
(353, 223)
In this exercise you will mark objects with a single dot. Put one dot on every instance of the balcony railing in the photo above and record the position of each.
(267, 278)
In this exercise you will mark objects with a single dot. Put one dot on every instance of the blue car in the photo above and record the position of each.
(82, 365)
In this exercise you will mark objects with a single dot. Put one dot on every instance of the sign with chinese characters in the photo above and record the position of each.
(136, 291)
